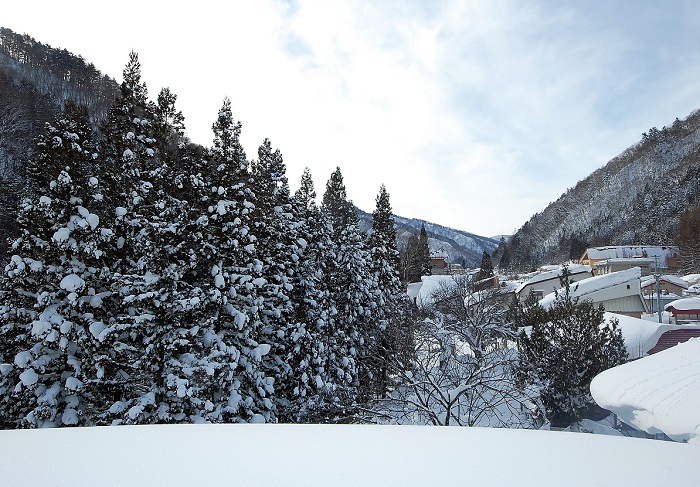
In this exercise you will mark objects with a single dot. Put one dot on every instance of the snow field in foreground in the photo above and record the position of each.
(309, 455)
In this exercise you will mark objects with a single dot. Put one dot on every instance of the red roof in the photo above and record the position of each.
(672, 338)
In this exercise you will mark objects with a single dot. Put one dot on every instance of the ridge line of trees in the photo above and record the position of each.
(154, 281)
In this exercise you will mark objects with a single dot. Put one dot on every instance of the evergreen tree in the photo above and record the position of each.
(53, 287)
(569, 345)
(350, 281)
(169, 122)
(486, 269)
(502, 255)
(322, 373)
(423, 255)
(393, 341)
(239, 389)
(278, 248)
(687, 239)
(306, 192)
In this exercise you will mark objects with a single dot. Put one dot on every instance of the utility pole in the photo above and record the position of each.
(658, 286)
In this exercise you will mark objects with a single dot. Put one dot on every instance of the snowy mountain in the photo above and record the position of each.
(636, 198)
(460, 246)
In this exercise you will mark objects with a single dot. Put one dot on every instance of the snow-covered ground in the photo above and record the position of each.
(658, 393)
(323, 455)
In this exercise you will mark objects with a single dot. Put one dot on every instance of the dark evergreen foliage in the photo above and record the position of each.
(154, 281)
(566, 346)
(394, 340)
(486, 268)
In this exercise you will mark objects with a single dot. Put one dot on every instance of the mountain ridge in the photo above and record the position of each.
(461, 247)
(636, 198)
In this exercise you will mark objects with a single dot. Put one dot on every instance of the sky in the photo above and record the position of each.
(474, 114)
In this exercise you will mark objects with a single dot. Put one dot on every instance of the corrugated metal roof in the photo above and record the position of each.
(672, 338)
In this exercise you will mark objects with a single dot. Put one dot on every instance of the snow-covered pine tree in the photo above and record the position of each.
(349, 278)
(279, 250)
(53, 285)
(169, 124)
(486, 268)
(147, 333)
(394, 343)
(423, 254)
(322, 377)
(239, 389)
(569, 344)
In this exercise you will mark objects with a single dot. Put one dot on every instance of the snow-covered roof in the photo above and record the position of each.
(430, 284)
(440, 253)
(574, 269)
(651, 280)
(630, 251)
(684, 304)
(333, 455)
(597, 283)
(642, 335)
(691, 278)
(628, 260)
(658, 393)
(694, 288)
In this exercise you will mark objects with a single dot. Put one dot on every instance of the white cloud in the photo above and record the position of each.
(474, 114)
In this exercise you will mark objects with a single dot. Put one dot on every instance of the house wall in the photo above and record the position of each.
(624, 299)
(628, 305)
(607, 267)
(686, 318)
(665, 286)
(630, 288)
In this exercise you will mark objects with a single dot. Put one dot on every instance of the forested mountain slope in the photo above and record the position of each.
(636, 198)
(461, 247)
(35, 82)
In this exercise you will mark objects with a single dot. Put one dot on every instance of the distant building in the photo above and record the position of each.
(545, 282)
(619, 292)
(438, 262)
(685, 310)
(671, 287)
(605, 260)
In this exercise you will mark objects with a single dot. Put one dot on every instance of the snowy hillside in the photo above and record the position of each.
(457, 244)
(310, 455)
(636, 198)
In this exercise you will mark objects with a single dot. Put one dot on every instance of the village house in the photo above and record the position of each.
(544, 283)
(438, 262)
(671, 287)
(619, 292)
(684, 310)
(606, 260)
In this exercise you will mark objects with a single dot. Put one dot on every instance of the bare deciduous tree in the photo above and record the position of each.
(463, 366)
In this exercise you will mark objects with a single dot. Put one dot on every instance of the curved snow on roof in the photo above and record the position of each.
(597, 283)
(658, 393)
(632, 251)
(553, 274)
(691, 278)
(684, 304)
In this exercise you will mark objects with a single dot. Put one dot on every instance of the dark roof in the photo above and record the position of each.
(672, 338)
